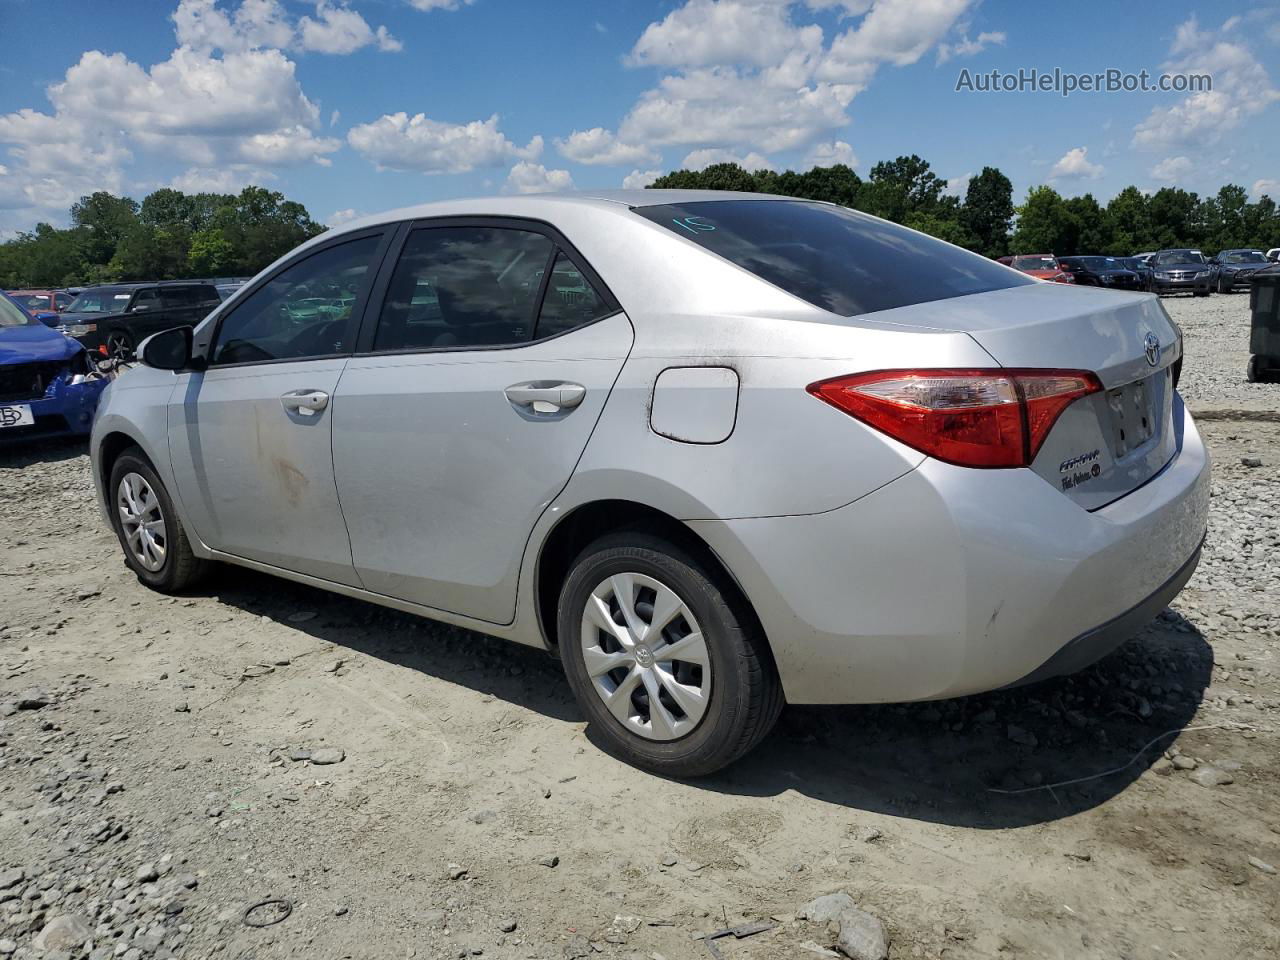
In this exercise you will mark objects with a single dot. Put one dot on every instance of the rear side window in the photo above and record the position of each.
(463, 287)
(570, 300)
(179, 296)
(834, 258)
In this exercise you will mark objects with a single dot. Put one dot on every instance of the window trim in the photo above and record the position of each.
(383, 232)
(559, 244)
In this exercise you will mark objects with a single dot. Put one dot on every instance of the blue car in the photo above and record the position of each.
(49, 386)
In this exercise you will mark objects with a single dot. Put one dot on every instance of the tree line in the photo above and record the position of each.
(986, 220)
(170, 235)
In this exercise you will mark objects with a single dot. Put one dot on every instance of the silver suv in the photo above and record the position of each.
(714, 451)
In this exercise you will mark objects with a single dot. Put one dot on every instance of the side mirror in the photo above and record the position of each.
(167, 350)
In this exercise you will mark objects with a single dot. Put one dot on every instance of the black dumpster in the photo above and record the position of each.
(1264, 329)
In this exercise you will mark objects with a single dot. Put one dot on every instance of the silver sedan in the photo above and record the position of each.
(714, 451)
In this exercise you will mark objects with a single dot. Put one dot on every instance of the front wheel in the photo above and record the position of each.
(672, 673)
(119, 345)
(155, 544)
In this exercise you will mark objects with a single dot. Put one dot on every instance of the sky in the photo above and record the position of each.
(357, 106)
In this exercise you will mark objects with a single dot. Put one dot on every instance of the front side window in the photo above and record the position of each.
(837, 259)
(463, 287)
(303, 311)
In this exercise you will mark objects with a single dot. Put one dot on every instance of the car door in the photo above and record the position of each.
(250, 435)
(476, 385)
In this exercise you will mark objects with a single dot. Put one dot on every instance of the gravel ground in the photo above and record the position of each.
(414, 790)
(1216, 340)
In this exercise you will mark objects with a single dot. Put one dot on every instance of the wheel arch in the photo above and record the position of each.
(597, 518)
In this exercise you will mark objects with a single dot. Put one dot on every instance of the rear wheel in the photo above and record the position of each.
(1259, 371)
(155, 544)
(672, 674)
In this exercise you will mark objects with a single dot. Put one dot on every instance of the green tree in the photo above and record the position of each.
(1129, 223)
(211, 253)
(105, 217)
(988, 210)
(1041, 222)
(898, 188)
(1085, 229)
(1176, 218)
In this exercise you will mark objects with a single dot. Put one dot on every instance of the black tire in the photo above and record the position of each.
(181, 567)
(1200, 293)
(746, 696)
(119, 344)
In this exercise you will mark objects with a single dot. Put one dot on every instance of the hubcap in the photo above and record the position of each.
(118, 346)
(646, 656)
(142, 521)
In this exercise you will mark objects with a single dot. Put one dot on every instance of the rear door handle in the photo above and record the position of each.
(305, 402)
(546, 396)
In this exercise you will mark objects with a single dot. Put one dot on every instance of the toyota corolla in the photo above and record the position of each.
(714, 451)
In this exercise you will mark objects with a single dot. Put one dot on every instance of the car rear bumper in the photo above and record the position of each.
(950, 581)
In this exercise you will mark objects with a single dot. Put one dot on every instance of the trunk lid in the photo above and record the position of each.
(1106, 444)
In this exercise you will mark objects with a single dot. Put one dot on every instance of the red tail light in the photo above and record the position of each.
(973, 418)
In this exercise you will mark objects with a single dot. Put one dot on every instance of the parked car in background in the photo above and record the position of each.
(1237, 267)
(225, 290)
(1141, 267)
(1042, 266)
(531, 416)
(1182, 271)
(48, 383)
(113, 319)
(1099, 271)
(1274, 254)
(44, 305)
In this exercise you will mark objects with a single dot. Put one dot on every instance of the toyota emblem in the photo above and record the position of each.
(1152, 344)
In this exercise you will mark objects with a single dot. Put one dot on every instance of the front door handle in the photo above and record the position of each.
(305, 402)
(546, 396)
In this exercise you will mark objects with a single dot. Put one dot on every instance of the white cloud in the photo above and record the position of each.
(957, 186)
(339, 217)
(964, 47)
(1172, 169)
(341, 30)
(219, 180)
(204, 26)
(899, 32)
(240, 110)
(830, 154)
(701, 159)
(600, 146)
(1075, 165)
(425, 5)
(639, 179)
(725, 107)
(334, 118)
(1241, 90)
(706, 33)
(397, 141)
(529, 177)
(751, 76)
(1267, 186)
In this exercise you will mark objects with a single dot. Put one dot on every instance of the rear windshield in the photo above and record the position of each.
(834, 258)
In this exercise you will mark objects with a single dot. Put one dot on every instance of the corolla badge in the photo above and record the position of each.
(1152, 345)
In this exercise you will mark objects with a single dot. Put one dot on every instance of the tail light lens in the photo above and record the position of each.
(973, 418)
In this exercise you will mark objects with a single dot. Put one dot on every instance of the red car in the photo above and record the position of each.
(38, 302)
(1042, 266)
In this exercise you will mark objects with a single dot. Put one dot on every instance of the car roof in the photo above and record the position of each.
(539, 205)
(139, 284)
